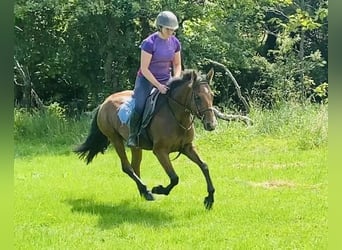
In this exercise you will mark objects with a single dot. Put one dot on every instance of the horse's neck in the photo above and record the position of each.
(180, 103)
(182, 94)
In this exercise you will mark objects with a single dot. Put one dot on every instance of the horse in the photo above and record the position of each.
(171, 129)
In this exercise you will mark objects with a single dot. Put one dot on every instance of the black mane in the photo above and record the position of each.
(185, 77)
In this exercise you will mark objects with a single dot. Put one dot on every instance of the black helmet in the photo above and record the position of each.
(167, 19)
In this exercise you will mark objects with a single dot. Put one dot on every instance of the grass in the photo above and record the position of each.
(271, 192)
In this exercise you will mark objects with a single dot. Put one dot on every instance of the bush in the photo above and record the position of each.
(306, 124)
(47, 125)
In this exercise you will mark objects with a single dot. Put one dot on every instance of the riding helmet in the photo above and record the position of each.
(167, 19)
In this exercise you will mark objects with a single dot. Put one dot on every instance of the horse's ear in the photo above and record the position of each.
(193, 76)
(210, 74)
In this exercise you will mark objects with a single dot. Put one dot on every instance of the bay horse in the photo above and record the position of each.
(170, 130)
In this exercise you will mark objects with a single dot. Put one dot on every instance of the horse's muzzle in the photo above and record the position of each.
(209, 119)
(210, 126)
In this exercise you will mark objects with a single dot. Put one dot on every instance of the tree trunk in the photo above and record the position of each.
(26, 84)
(301, 58)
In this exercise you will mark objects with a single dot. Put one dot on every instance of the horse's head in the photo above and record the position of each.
(202, 100)
(195, 95)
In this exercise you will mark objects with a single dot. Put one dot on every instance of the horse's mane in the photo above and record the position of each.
(185, 77)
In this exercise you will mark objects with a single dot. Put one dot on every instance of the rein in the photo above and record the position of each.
(186, 110)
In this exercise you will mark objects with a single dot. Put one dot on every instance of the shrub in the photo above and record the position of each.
(306, 124)
(40, 124)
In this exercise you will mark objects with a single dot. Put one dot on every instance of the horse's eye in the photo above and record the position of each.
(197, 98)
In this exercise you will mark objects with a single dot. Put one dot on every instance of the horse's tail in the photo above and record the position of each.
(96, 142)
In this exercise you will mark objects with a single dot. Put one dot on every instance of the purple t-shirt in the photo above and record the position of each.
(163, 52)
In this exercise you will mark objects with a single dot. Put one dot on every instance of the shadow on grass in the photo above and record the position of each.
(111, 215)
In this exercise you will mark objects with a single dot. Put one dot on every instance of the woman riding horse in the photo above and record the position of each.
(170, 130)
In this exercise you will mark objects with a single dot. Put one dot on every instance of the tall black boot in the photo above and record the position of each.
(134, 125)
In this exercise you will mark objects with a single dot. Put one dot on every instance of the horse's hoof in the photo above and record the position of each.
(208, 203)
(148, 196)
(159, 190)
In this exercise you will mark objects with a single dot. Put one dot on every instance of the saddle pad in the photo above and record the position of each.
(125, 110)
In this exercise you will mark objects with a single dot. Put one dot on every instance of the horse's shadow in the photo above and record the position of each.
(111, 215)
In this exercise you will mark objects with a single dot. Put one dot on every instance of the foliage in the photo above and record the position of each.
(77, 52)
(47, 126)
(297, 66)
(306, 125)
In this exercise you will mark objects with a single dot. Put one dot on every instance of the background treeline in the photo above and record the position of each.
(76, 52)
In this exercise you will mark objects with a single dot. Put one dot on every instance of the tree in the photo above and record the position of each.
(78, 52)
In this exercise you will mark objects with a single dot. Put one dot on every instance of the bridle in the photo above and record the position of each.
(187, 107)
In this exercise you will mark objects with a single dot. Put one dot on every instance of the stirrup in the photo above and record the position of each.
(132, 143)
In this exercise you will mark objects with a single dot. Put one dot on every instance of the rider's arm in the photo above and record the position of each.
(177, 66)
(145, 61)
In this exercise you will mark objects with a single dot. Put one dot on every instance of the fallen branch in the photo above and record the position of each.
(229, 118)
(237, 87)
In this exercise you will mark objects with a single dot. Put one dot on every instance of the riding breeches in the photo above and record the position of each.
(142, 90)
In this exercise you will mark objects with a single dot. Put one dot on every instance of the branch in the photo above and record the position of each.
(28, 86)
(38, 101)
(277, 12)
(21, 71)
(19, 84)
(229, 118)
(18, 28)
(237, 87)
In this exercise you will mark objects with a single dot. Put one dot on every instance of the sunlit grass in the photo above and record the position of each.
(271, 193)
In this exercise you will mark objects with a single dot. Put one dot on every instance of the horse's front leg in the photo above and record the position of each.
(164, 160)
(191, 153)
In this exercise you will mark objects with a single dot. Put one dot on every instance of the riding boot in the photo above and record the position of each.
(134, 125)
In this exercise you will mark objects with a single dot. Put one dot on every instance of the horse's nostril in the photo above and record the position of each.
(209, 126)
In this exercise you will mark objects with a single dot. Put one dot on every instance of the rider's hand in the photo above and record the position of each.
(162, 88)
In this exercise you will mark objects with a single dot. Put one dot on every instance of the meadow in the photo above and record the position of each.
(271, 183)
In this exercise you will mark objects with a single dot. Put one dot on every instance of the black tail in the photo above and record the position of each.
(96, 142)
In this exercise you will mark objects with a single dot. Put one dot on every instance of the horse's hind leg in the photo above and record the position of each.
(128, 169)
(191, 153)
(164, 160)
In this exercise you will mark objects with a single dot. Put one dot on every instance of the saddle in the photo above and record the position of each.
(149, 109)
(125, 111)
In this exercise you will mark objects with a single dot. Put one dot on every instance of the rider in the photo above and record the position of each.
(160, 52)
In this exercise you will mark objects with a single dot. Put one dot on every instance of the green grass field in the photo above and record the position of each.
(271, 192)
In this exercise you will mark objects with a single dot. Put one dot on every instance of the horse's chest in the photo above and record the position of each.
(184, 136)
